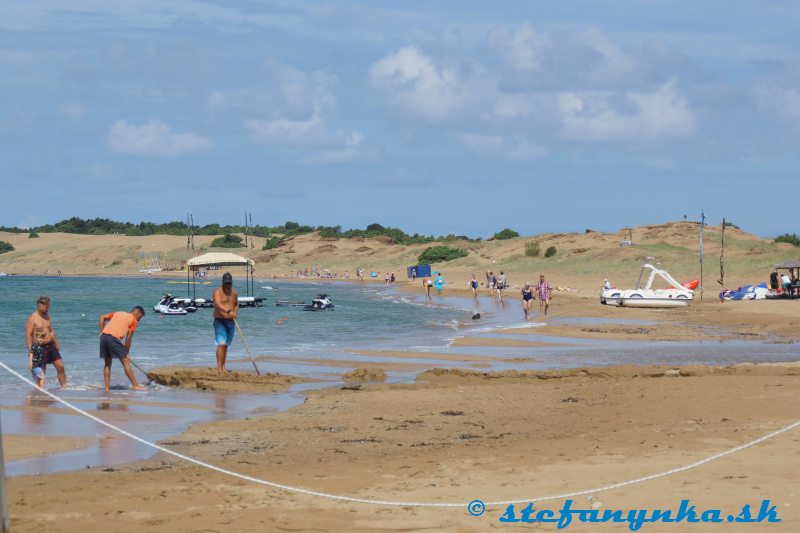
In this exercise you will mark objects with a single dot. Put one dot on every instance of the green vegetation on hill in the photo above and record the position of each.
(6, 247)
(271, 243)
(438, 254)
(104, 226)
(505, 234)
(792, 238)
(227, 241)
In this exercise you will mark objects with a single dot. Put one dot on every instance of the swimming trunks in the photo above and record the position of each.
(223, 331)
(48, 353)
(110, 346)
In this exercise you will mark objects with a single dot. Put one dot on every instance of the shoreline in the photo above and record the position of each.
(514, 432)
(445, 435)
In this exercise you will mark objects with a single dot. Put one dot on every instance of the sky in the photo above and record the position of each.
(435, 117)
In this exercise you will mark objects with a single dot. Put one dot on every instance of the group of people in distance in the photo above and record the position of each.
(116, 335)
(529, 292)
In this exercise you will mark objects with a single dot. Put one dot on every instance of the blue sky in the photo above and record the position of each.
(435, 117)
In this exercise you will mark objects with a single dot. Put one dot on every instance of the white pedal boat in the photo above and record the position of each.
(676, 296)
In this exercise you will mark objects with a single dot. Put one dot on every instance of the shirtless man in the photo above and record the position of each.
(42, 343)
(226, 309)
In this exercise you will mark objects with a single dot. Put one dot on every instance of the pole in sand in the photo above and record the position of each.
(4, 527)
(244, 341)
(149, 379)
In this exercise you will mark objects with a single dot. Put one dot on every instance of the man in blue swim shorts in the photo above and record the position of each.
(226, 309)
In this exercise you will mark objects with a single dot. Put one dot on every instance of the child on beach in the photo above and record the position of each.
(36, 364)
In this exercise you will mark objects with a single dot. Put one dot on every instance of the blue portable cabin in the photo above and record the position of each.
(421, 271)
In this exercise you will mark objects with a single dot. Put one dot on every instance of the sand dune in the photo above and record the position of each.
(582, 259)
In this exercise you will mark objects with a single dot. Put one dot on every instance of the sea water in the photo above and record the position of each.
(283, 339)
(365, 317)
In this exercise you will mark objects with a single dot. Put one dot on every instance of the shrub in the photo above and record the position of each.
(227, 241)
(327, 232)
(532, 249)
(437, 254)
(551, 251)
(6, 247)
(790, 238)
(731, 225)
(271, 243)
(506, 234)
(33, 235)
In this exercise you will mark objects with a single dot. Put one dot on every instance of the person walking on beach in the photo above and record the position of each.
(42, 344)
(490, 281)
(545, 291)
(413, 275)
(500, 285)
(527, 299)
(226, 309)
(473, 285)
(439, 282)
(427, 283)
(113, 328)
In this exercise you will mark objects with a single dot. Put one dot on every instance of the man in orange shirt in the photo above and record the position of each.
(113, 327)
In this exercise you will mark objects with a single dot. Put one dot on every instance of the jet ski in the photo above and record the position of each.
(320, 303)
(168, 306)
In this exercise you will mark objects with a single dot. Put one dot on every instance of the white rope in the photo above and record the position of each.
(352, 499)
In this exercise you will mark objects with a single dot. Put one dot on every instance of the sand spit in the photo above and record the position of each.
(364, 375)
(17, 447)
(453, 441)
(213, 380)
(617, 371)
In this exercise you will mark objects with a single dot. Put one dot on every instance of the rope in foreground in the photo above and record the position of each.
(339, 497)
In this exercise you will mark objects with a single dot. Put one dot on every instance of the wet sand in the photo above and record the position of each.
(451, 437)
(16, 447)
(456, 434)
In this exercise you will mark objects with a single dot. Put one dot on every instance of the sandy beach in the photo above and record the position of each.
(456, 434)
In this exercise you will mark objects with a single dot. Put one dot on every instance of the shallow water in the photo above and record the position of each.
(369, 317)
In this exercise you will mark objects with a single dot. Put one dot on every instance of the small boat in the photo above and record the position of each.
(320, 303)
(168, 306)
(287, 303)
(676, 295)
(154, 267)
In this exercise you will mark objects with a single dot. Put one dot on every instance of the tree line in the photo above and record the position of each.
(104, 226)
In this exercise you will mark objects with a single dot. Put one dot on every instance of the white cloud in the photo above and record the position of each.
(415, 84)
(605, 117)
(154, 139)
(286, 131)
(523, 49)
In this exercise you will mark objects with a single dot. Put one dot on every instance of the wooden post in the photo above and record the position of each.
(4, 527)
(702, 223)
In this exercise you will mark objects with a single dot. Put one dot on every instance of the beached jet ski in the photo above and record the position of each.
(168, 306)
(320, 303)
